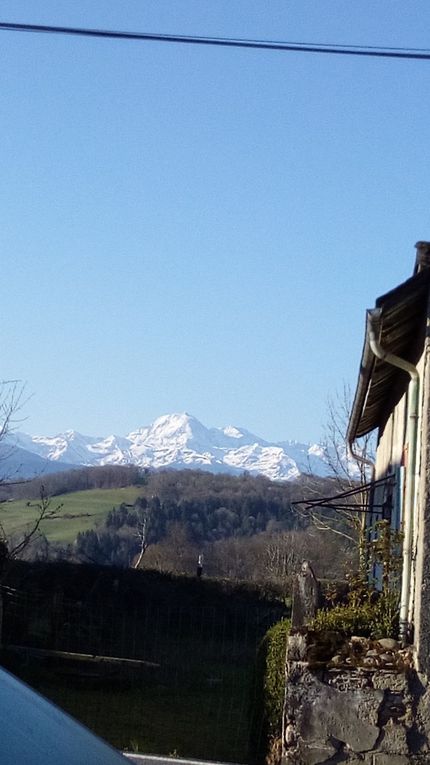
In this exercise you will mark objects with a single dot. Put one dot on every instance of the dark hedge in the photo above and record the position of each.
(267, 704)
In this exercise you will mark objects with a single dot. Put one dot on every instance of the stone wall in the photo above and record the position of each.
(353, 714)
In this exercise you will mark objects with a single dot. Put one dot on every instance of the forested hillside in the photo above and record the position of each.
(245, 526)
(199, 507)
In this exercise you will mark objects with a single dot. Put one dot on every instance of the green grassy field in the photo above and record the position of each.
(193, 700)
(165, 718)
(81, 511)
(192, 643)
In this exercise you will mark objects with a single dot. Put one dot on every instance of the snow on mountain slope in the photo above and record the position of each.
(180, 440)
(18, 464)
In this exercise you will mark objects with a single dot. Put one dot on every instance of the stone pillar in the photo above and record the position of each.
(306, 596)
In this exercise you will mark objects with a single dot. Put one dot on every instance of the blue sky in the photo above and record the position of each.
(201, 229)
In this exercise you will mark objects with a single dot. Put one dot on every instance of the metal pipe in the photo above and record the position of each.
(412, 431)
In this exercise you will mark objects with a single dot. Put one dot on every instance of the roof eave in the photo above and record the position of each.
(365, 375)
(406, 302)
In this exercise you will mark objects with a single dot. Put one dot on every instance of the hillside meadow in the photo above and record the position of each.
(80, 511)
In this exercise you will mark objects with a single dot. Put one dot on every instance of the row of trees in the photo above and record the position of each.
(79, 479)
(268, 557)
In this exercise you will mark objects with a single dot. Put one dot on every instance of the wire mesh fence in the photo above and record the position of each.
(163, 678)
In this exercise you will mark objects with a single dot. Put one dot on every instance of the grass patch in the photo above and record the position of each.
(82, 510)
(161, 715)
(201, 637)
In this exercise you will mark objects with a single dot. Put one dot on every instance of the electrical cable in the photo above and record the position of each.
(332, 49)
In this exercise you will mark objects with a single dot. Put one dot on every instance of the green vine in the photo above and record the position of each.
(370, 611)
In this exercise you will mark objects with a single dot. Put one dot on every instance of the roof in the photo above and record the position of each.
(400, 317)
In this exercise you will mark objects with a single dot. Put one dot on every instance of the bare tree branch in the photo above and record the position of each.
(12, 401)
(142, 534)
(349, 476)
(44, 512)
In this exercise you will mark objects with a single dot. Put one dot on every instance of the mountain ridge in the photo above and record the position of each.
(180, 440)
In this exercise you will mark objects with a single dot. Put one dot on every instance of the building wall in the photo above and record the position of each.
(392, 453)
(392, 440)
(421, 570)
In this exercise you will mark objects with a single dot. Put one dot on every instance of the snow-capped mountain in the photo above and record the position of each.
(181, 441)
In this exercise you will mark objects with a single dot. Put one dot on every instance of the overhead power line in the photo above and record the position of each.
(342, 50)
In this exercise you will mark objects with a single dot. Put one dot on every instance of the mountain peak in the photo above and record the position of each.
(171, 423)
(175, 417)
(180, 440)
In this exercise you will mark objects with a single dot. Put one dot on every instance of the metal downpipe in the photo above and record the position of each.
(412, 430)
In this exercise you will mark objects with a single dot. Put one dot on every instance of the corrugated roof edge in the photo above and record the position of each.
(392, 298)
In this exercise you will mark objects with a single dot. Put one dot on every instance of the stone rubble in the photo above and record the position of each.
(385, 653)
